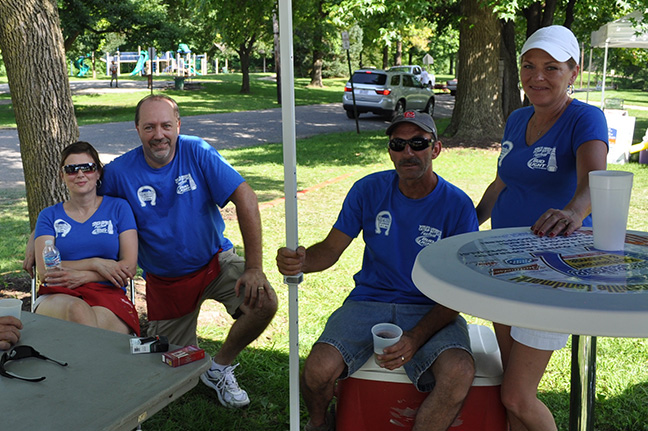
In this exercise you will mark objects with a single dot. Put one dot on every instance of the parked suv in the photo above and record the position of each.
(410, 68)
(387, 93)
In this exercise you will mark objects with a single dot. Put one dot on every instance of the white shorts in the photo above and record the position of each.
(540, 340)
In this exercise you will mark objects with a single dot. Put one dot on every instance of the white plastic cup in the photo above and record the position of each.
(385, 335)
(10, 307)
(610, 193)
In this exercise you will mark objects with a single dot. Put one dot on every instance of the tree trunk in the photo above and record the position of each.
(533, 15)
(569, 13)
(316, 73)
(275, 31)
(385, 57)
(398, 59)
(548, 13)
(318, 48)
(478, 108)
(40, 93)
(511, 99)
(244, 53)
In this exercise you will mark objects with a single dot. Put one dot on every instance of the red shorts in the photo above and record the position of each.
(173, 297)
(101, 295)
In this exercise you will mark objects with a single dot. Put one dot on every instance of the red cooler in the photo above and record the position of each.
(377, 399)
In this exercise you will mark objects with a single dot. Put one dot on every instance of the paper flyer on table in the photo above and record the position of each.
(567, 263)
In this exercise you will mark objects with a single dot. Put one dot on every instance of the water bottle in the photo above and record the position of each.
(51, 255)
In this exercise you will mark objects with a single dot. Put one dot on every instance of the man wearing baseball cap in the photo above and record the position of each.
(399, 211)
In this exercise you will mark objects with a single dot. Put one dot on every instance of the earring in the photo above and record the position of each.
(570, 89)
(99, 183)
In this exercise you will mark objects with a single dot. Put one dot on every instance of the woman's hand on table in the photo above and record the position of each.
(557, 222)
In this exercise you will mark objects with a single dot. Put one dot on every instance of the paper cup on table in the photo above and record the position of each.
(385, 335)
(610, 194)
(10, 307)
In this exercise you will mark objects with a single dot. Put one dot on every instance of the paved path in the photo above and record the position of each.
(231, 130)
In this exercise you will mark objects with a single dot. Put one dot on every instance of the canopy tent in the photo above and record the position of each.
(624, 32)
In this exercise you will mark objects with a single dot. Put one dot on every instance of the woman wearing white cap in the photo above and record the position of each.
(547, 151)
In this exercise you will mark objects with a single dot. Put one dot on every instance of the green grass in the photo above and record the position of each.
(622, 376)
(622, 367)
(219, 93)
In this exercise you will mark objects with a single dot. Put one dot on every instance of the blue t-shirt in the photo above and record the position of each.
(96, 237)
(395, 229)
(543, 175)
(176, 206)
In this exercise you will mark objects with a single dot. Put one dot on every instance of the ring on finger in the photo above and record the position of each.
(564, 220)
(402, 358)
(260, 288)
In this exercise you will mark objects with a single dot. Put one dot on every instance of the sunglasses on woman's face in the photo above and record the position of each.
(22, 352)
(417, 143)
(83, 167)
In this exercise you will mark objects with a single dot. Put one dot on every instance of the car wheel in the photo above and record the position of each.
(429, 108)
(350, 114)
(399, 109)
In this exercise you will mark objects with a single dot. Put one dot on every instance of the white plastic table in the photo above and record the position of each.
(104, 387)
(557, 284)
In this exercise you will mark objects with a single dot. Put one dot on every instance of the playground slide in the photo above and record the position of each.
(83, 69)
(140, 63)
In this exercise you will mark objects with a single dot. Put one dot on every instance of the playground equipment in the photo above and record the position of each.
(141, 62)
(79, 63)
(186, 62)
(180, 63)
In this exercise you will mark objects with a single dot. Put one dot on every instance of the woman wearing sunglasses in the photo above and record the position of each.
(97, 238)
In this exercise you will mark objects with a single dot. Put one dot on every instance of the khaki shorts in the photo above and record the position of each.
(182, 331)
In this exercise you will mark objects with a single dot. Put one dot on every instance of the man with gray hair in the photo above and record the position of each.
(399, 212)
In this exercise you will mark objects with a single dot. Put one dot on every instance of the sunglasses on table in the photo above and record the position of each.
(83, 167)
(417, 143)
(21, 352)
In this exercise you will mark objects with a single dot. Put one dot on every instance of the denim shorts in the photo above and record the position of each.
(349, 331)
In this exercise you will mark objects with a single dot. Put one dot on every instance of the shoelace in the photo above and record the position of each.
(227, 379)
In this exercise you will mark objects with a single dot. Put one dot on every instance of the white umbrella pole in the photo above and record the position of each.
(589, 75)
(604, 72)
(290, 191)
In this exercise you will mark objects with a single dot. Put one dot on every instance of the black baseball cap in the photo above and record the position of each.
(421, 119)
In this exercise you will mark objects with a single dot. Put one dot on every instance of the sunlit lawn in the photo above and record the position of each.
(622, 375)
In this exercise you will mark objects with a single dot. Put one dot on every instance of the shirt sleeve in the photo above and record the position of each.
(45, 223)
(125, 216)
(349, 220)
(591, 125)
(221, 178)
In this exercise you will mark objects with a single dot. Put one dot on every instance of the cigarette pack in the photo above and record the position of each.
(183, 356)
(158, 343)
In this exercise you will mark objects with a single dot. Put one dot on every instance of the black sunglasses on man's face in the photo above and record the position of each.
(417, 143)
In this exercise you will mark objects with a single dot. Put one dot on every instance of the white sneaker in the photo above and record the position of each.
(224, 383)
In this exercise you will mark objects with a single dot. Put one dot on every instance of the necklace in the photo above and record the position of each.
(547, 125)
